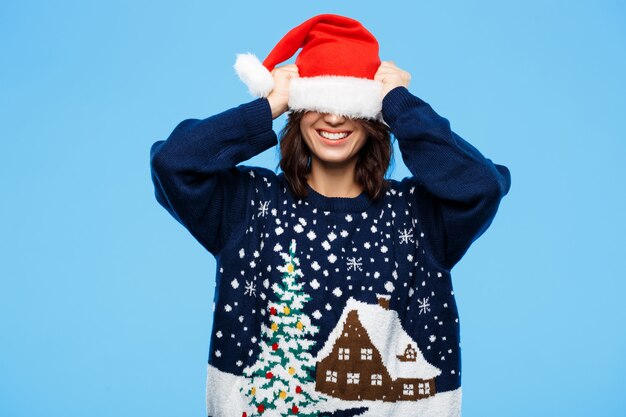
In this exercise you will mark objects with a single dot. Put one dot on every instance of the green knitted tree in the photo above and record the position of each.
(281, 382)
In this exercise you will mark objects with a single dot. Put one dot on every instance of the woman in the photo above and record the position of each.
(322, 149)
(333, 288)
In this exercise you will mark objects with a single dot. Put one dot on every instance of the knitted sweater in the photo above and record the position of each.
(329, 306)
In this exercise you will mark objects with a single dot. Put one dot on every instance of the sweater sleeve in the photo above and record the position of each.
(195, 173)
(458, 189)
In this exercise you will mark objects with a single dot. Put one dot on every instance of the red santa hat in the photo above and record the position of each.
(337, 64)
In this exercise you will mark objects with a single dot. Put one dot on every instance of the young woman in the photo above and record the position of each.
(317, 151)
(333, 287)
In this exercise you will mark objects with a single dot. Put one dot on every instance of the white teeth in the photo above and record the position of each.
(333, 136)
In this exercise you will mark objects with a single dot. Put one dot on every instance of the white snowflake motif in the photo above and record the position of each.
(424, 305)
(263, 208)
(355, 264)
(406, 236)
(250, 289)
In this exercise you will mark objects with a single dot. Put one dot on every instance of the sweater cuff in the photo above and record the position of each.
(397, 101)
(257, 118)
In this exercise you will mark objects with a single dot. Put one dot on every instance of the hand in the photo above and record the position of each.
(279, 96)
(391, 76)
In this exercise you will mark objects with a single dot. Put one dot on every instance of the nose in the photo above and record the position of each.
(334, 119)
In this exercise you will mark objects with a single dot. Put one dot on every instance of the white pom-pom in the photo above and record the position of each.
(254, 75)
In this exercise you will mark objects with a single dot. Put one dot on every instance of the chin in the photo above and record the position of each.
(334, 159)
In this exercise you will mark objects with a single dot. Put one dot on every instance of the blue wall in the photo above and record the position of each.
(105, 300)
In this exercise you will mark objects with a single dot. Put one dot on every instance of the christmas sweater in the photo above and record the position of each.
(330, 306)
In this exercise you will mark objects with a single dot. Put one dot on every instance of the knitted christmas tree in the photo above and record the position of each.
(281, 382)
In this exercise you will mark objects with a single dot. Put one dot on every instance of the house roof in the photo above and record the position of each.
(388, 336)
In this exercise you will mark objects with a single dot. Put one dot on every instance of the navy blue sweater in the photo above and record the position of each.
(302, 282)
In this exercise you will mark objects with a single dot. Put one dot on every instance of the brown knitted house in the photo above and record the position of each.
(369, 356)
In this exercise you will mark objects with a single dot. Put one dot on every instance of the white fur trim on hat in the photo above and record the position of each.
(347, 96)
(254, 75)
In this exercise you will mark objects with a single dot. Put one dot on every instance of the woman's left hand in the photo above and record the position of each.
(391, 77)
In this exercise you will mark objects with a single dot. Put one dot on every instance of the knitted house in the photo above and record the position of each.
(369, 356)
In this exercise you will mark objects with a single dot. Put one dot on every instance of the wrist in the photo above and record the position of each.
(396, 101)
(277, 105)
(256, 116)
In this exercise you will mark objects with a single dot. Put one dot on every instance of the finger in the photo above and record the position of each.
(387, 70)
(288, 67)
(380, 77)
(384, 70)
(383, 73)
(288, 71)
(385, 67)
(388, 64)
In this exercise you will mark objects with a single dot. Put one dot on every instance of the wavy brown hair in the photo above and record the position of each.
(374, 157)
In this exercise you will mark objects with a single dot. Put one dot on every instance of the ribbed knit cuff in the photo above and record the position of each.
(396, 101)
(257, 117)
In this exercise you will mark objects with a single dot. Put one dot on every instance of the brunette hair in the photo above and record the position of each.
(374, 157)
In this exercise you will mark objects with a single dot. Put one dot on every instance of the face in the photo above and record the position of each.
(333, 139)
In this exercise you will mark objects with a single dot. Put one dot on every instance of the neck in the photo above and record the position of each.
(334, 180)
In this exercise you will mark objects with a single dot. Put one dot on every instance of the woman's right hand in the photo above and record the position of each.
(279, 96)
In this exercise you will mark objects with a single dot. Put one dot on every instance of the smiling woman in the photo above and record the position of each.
(334, 154)
(334, 140)
(347, 305)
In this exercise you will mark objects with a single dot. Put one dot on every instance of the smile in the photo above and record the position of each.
(333, 135)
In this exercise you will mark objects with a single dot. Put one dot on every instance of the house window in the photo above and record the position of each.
(353, 378)
(408, 389)
(410, 354)
(377, 379)
(331, 376)
(344, 354)
(424, 388)
(366, 354)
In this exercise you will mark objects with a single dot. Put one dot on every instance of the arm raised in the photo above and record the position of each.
(195, 173)
(460, 188)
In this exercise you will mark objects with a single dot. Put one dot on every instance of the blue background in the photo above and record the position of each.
(105, 300)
